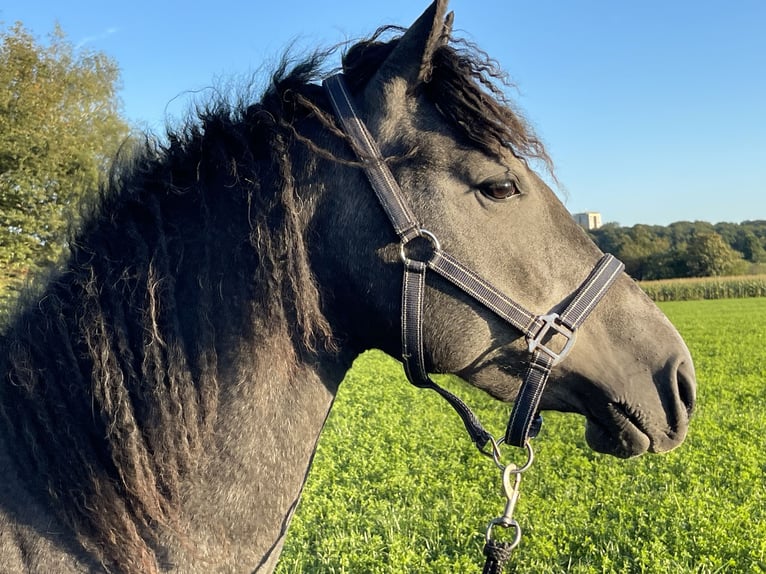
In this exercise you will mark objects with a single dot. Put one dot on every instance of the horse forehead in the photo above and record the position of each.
(439, 152)
(395, 114)
(404, 122)
(430, 141)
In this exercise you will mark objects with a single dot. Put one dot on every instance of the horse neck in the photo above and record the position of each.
(253, 448)
(239, 498)
(269, 421)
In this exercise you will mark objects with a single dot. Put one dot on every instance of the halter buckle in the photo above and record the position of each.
(540, 340)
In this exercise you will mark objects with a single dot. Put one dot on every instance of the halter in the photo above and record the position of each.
(539, 330)
(524, 422)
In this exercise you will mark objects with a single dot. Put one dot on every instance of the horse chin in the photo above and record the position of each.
(618, 437)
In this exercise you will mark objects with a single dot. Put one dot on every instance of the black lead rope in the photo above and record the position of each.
(539, 330)
(497, 553)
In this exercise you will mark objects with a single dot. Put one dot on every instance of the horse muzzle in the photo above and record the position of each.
(627, 428)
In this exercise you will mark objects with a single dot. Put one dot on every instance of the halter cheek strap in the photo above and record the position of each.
(539, 330)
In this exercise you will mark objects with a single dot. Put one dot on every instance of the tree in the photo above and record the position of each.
(748, 244)
(752, 247)
(708, 254)
(59, 128)
(643, 244)
(609, 237)
(641, 248)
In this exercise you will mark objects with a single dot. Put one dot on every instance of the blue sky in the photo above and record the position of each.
(653, 111)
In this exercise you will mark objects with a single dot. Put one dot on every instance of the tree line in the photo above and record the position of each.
(686, 248)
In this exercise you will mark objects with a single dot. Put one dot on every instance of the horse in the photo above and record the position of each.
(162, 394)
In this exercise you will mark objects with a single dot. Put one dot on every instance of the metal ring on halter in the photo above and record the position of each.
(435, 245)
(504, 524)
(495, 454)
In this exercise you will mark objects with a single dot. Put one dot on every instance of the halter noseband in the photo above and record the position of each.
(538, 329)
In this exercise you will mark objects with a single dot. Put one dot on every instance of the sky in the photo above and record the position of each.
(653, 111)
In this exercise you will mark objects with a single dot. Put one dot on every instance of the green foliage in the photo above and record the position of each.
(396, 486)
(705, 288)
(708, 255)
(59, 129)
(684, 249)
(640, 248)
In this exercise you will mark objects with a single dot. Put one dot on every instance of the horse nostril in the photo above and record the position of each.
(687, 386)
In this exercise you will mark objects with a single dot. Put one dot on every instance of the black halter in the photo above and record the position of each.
(538, 329)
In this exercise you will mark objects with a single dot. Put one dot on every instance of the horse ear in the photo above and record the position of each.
(411, 59)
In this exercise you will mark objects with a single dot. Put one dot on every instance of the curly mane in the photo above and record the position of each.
(111, 379)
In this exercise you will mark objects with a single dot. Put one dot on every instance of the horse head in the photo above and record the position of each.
(462, 156)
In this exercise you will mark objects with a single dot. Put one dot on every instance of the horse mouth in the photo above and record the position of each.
(618, 431)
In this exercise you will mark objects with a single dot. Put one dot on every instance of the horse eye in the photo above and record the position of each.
(499, 190)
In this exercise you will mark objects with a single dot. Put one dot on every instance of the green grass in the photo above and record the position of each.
(397, 487)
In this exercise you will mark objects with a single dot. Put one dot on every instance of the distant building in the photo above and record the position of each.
(588, 220)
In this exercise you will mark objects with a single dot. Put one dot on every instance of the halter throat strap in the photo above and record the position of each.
(539, 330)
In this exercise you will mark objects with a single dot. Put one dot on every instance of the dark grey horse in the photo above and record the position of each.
(161, 397)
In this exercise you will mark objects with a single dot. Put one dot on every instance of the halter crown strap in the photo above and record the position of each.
(407, 228)
(538, 329)
(381, 179)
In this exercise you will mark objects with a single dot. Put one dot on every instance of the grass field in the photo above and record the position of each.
(397, 486)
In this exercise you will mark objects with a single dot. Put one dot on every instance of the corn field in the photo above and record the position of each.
(697, 288)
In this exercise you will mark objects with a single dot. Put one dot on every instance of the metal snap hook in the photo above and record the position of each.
(511, 488)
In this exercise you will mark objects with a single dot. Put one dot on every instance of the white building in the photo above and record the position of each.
(588, 219)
